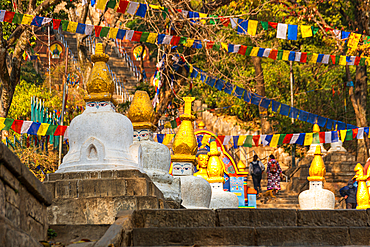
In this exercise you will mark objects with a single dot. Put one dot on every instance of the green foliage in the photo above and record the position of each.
(28, 73)
(52, 234)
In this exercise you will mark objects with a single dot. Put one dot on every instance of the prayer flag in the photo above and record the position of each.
(7, 124)
(265, 25)
(34, 128)
(97, 31)
(294, 139)
(292, 32)
(56, 24)
(275, 105)
(328, 137)
(242, 26)
(235, 141)
(160, 138)
(274, 140)
(293, 113)
(25, 126)
(321, 121)
(345, 35)
(304, 57)
(167, 139)
(17, 19)
(343, 135)
(273, 54)
(144, 36)
(256, 139)
(129, 34)
(27, 19)
(104, 31)
(248, 50)
(122, 6)
(64, 25)
(315, 138)
(247, 96)
(81, 28)
(226, 140)
(254, 52)
(202, 15)
(248, 141)
(60, 130)
(322, 137)
(265, 103)
(132, 8)
(311, 118)
(319, 58)
(43, 129)
(241, 140)
(238, 92)
(261, 51)
(72, 26)
(37, 21)
(51, 130)
(220, 84)
(342, 60)
(189, 43)
(256, 99)
(306, 31)
(111, 4)
(308, 139)
(175, 40)
(2, 15)
(285, 55)
(136, 37)
(354, 133)
(113, 33)
(281, 139)
(314, 58)
(266, 53)
(230, 48)
(8, 17)
(228, 88)
(284, 110)
(273, 24)
(152, 38)
(197, 44)
(252, 27)
(101, 4)
(291, 56)
(287, 138)
(234, 22)
(17, 126)
(141, 11)
(360, 133)
(349, 136)
(314, 30)
(281, 31)
(280, 55)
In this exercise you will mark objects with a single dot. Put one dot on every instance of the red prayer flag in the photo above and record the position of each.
(221, 138)
(357, 60)
(175, 40)
(273, 24)
(332, 58)
(178, 121)
(273, 54)
(322, 137)
(136, 36)
(225, 21)
(97, 31)
(242, 50)
(303, 57)
(8, 17)
(56, 24)
(17, 126)
(209, 44)
(328, 29)
(60, 130)
(354, 133)
(256, 139)
(287, 138)
(122, 6)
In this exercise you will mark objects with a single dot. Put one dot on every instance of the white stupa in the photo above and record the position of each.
(156, 157)
(100, 139)
(311, 151)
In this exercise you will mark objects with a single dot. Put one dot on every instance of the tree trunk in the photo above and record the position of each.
(260, 89)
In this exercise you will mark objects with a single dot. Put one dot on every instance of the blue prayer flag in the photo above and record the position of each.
(345, 34)
(256, 99)
(334, 136)
(34, 128)
(242, 26)
(329, 124)
(351, 126)
(311, 118)
(300, 139)
(247, 96)
(275, 105)
(160, 137)
(348, 59)
(292, 32)
(203, 77)
(228, 88)
(199, 140)
(293, 113)
(230, 48)
(37, 21)
(197, 44)
(193, 15)
(220, 84)
(303, 115)
(81, 28)
(284, 109)
(319, 58)
(260, 52)
(265, 103)
(239, 92)
(341, 125)
(268, 139)
(121, 34)
(141, 11)
(235, 141)
(366, 130)
(194, 74)
(291, 56)
(160, 38)
(93, 2)
(321, 121)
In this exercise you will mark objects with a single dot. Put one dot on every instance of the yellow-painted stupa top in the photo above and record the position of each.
(362, 196)
(317, 169)
(141, 111)
(201, 125)
(215, 169)
(316, 128)
(185, 145)
(100, 86)
(241, 166)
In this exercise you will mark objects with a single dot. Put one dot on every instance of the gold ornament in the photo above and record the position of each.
(316, 128)
(317, 169)
(100, 86)
(201, 125)
(215, 169)
(362, 195)
(202, 166)
(141, 111)
(241, 166)
(185, 145)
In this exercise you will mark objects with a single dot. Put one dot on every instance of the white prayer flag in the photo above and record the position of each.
(281, 31)
(263, 140)
(337, 34)
(88, 29)
(236, 48)
(185, 13)
(46, 20)
(353, 58)
(298, 56)
(234, 22)
(226, 140)
(267, 51)
(294, 139)
(167, 39)
(360, 133)
(129, 34)
(132, 8)
(26, 126)
(328, 137)
(2, 15)
(325, 59)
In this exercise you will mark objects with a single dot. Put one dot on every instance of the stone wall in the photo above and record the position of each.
(23, 202)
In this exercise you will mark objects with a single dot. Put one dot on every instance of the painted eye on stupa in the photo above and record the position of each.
(102, 104)
(91, 104)
(144, 135)
(135, 136)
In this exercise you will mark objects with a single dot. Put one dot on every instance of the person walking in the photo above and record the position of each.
(274, 174)
(256, 169)
(349, 193)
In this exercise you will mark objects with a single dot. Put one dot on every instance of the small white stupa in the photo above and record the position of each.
(317, 197)
(215, 172)
(195, 191)
(100, 139)
(337, 146)
(311, 151)
(156, 157)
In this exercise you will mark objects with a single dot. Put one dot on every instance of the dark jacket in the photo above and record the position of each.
(350, 191)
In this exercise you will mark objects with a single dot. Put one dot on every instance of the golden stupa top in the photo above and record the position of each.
(359, 171)
(185, 145)
(141, 111)
(317, 169)
(316, 128)
(100, 86)
(201, 125)
(241, 166)
(215, 169)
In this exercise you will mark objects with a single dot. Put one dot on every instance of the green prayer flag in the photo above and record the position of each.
(165, 13)
(182, 40)
(316, 138)
(8, 123)
(337, 58)
(349, 135)
(51, 130)
(314, 30)
(216, 47)
(144, 36)
(366, 39)
(111, 4)
(281, 139)
(248, 50)
(265, 25)
(173, 124)
(362, 61)
(280, 55)
(248, 141)
(104, 31)
(213, 21)
(64, 24)
(17, 19)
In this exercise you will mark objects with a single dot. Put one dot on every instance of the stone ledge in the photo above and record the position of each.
(24, 175)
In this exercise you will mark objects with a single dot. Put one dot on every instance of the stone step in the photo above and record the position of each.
(280, 205)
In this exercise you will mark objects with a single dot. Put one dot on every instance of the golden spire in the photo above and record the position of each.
(316, 128)
(201, 125)
(362, 195)
(141, 111)
(100, 86)
(185, 145)
(317, 169)
(241, 166)
(215, 169)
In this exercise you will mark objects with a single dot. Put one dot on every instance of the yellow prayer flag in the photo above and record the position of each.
(189, 43)
(201, 15)
(151, 38)
(205, 140)
(43, 129)
(155, 6)
(314, 58)
(308, 139)
(343, 134)
(342, 60)
(225, 46)
(2, 120)
(242, 140)
(113, 33)
(354, 38)
(252, 27)
(306, 31)
(72, 26)
(168, 138)
(286, 55)
(101, 4)
(275, 140)
(254, 52)
(27, 19)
